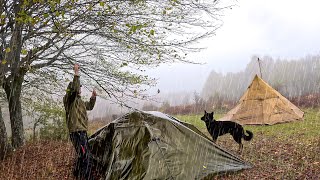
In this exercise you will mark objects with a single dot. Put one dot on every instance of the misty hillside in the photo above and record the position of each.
(291, 77)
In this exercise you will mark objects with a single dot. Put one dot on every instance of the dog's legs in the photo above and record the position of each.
(237, 138)
(240, 148)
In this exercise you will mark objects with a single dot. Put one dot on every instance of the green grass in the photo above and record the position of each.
(306, 129)
(195, 120)
(281, 151)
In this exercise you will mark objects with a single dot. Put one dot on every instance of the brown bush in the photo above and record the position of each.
(307, 100)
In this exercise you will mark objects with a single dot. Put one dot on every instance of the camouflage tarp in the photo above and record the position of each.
(152, 145)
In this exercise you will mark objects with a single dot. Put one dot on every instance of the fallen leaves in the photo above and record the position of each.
(40, 160)
(272, 159)
(276, 159)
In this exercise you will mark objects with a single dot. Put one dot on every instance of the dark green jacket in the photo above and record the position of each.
(76, 108)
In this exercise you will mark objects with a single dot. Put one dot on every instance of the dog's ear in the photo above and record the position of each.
(211, 115)
(205, 111)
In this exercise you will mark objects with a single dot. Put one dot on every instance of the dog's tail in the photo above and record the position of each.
(249, 137)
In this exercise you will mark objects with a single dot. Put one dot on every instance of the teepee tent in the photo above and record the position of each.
(261, 104)
(153, 145)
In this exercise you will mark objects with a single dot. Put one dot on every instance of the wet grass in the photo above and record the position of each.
(195, 120)
(307, 129)
(281, 151)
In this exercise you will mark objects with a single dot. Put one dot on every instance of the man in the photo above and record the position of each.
(77, 122)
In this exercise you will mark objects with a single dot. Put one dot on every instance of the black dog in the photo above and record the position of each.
(218, 128)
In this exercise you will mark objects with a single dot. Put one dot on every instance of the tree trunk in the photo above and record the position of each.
(34, 130)
(13, 92)
(3, 137)
(13, 82)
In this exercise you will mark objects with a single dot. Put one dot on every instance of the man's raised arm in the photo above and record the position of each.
(91, 103)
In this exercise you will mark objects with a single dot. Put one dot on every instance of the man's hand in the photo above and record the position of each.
(76, 69)
(94, 93)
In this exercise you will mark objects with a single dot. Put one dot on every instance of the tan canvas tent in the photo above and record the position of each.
(261, 104)
(153, 145)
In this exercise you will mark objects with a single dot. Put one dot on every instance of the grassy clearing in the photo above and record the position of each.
(195, 120)
(282, 151)
(307, 129)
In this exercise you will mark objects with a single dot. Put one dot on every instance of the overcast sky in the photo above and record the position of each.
(281, 29)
